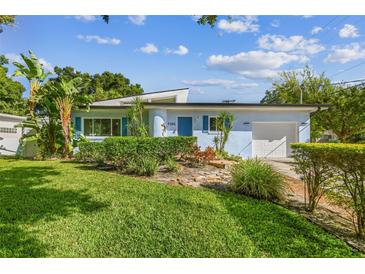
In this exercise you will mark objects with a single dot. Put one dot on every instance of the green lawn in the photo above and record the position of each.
(55, 209)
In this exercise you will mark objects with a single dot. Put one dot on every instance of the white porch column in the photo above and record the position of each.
(159, 118)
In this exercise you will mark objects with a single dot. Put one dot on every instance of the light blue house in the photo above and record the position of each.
(258, 130)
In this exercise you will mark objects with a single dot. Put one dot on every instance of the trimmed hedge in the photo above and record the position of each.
(120, 150)
(91, 152)
(346, 167)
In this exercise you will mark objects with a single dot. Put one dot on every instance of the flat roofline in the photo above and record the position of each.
(217, 105)
(238, 104)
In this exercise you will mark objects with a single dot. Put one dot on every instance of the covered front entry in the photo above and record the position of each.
(272, 139)
(185, 126)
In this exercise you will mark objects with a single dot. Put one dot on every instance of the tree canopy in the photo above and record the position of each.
(106, 85)
(8, 20)
(345, 116)
(11, 92)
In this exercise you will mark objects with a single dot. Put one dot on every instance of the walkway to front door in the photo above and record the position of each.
(185, 126)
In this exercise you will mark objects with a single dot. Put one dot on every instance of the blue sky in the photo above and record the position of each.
(238, 59)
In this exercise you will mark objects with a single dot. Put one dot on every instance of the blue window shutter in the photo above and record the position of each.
(205, 123)
(227, 123)
(124, 126)
(78, 123)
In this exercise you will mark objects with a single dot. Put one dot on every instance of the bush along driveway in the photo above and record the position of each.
(55, 209)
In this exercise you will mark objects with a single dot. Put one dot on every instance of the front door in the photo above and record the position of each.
(185, 126)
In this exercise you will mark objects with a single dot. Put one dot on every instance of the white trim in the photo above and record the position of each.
(177, 124)
(212, 132)
(180, 96)
(16, 117)
(237, 108)
(111, 126)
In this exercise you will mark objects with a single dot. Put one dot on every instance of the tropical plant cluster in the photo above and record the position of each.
(338, 167)
(255, 178)
(52, 99)
(138, 155)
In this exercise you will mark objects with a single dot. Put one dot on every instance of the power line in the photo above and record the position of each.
(348, 69)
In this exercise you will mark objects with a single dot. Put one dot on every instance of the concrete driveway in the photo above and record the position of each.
(283, 165)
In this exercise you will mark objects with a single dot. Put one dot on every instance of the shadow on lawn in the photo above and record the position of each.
(278, 232)
(24, 200)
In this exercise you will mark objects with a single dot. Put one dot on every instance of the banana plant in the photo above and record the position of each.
(33, 71)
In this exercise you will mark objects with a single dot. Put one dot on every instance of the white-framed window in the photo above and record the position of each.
(212, 124)
(102, 127)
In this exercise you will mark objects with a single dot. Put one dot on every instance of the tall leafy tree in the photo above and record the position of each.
(345, 116)
(32, 69)
(7, 20)
(106, 85)
(11, 92)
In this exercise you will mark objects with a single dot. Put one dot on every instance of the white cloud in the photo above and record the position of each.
(346, 54)
(228, 84)
(239, 24)
(181, 50)
(296, 43)
(254, 64)
(195, 18)
(137, 19)
(86, 18)
(47, 66)
(99, 40)
(316, 30)
(348, 31)
(149, 48)
(13, 57)
(275, 23)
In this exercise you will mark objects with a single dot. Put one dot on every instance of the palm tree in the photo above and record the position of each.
(34, 72)
(67, 95)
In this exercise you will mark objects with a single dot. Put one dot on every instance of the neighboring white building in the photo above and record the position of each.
(259, 130)
(9, 134)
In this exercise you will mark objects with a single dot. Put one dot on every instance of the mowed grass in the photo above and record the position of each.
(55, 209)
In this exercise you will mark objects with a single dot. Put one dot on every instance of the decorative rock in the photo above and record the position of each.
(218, 164)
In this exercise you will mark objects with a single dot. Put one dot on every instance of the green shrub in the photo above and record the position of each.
(171, 164)
(143, 166)
(256, 178)
(91, 152)
(119, 149)
(347, 162)
(316, 174)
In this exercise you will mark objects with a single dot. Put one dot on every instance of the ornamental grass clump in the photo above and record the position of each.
(146, 166)
(258, 179)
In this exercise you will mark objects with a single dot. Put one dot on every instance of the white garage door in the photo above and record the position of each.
(272, 140)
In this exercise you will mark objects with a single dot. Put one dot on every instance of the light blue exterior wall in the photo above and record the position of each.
(240, 138)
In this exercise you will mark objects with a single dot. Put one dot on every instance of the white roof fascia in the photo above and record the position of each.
(180, 96)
